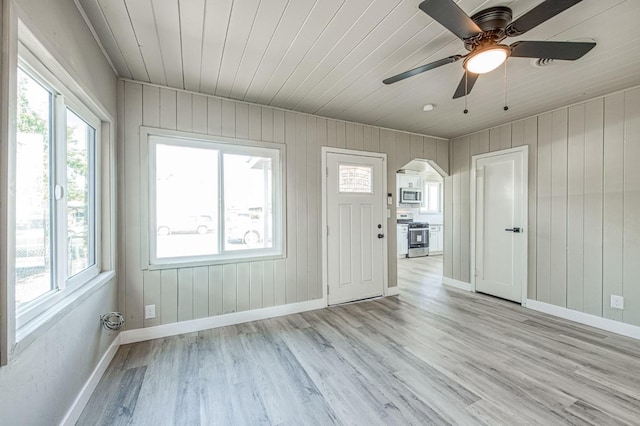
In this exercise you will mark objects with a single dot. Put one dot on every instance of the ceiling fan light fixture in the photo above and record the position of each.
(484, 60)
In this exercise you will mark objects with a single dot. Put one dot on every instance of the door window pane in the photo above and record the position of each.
(248, 202)
(33, 225)
(80, 194)
(353, 178)
(186, 201)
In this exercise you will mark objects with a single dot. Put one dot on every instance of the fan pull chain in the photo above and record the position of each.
(465, 92)
(506, 108)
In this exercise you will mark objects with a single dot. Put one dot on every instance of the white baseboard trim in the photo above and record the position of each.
(587, 319)
(173, 329)
(81, 400)
(393, 291)
(456, 284)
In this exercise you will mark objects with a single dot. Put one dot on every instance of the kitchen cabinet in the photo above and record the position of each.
(409, 181)
(403, 240)
(436, 240)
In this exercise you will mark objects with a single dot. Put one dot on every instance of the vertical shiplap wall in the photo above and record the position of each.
(189, 293)
(584, 203)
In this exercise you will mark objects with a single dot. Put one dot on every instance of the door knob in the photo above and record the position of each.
(379, 226)
(515, 230)
(380, 235)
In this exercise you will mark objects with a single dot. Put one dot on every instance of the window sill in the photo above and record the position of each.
(211, 262)
(31, 331)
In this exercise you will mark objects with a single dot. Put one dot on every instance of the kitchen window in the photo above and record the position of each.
(56, 247)
(213, 200)
(432, 195)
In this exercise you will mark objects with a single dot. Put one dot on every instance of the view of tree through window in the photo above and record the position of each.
(38, 232)
(33, 204)
(80, 141)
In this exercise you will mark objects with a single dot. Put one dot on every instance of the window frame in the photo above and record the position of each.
(61, 100)
(226, 145)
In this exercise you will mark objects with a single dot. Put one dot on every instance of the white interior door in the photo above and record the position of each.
(500, 221)
(356, 227)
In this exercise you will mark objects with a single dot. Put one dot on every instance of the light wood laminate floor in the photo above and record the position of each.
(431, 355)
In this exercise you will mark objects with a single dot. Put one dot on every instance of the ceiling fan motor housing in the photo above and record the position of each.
(492, 22)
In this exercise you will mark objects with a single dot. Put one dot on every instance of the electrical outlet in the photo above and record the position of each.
(617, 302)
(149, 311)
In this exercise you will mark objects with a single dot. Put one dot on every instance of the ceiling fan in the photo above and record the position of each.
(483, 33)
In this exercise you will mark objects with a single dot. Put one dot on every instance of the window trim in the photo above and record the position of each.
(148, 237)
(62, 98)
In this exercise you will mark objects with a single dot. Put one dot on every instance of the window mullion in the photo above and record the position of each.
(60, 192)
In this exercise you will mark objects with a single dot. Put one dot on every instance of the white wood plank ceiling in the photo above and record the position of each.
(329, 57)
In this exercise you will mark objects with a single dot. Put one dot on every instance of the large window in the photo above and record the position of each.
(55, 197)
(213, 200)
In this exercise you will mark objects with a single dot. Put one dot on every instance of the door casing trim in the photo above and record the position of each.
(385, 253)
(524, 152)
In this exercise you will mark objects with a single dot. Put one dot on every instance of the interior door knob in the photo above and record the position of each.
(380, 235)
(515, 230)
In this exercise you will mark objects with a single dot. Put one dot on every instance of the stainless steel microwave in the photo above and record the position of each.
(410, 196)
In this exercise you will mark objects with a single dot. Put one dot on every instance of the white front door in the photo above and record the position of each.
(500, 223)
(356, 227)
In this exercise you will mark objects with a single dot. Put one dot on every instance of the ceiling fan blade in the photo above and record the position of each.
(470, 81)
(421, 69)
(450, 16)
(565, 50)
(539, 14)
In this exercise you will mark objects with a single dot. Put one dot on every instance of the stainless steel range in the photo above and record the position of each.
(418, 239)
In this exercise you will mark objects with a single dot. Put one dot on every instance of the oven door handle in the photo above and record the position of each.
(418, 229)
